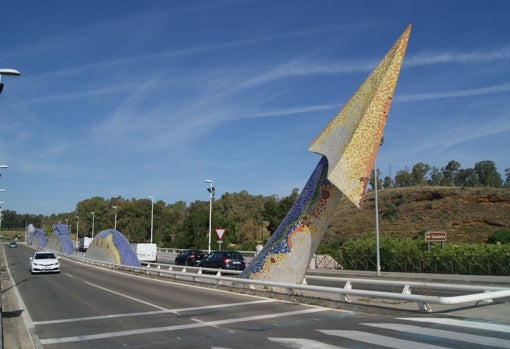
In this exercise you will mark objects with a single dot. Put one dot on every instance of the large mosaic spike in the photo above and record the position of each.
(349, 144)
(351, 140)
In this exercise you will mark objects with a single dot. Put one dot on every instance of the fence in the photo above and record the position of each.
(445, 265)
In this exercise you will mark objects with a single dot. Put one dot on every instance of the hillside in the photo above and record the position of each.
(467, 215)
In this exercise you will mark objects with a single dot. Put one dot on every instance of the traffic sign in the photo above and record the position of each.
(435, 236)
(219, 233)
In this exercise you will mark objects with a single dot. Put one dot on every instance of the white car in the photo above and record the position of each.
(44, 262)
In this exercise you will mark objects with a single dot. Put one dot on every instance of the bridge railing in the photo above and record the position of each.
(471, 293)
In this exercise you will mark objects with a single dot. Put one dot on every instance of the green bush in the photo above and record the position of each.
(502, 236)
(408, 255)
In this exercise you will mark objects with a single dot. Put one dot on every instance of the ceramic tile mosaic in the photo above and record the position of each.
(349, 144)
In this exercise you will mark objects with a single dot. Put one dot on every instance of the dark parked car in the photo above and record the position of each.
(189, 257)
(13, 244)
(231, 260)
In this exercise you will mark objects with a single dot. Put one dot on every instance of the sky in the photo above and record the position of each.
(151, 98)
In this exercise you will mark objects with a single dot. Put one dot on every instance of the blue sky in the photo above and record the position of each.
(138, 98)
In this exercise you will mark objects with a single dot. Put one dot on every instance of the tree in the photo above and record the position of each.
(507, 177)
(436, 176)
(466, 178)
(403, 178)
(388, 182)
(488, 174)
(419, 172)
(371, 181)
(449, 173)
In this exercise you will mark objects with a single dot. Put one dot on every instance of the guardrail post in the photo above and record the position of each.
(424, 307)
(348, 286)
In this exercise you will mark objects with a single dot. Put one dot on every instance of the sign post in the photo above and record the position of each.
(219, 233)
(435, 236)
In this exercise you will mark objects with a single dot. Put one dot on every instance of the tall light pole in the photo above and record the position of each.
(211, 194)
(1, 203)
(7, 72)
(378, 255)
(152, 215)
(115, 221)
(93, 217)
(77, 231)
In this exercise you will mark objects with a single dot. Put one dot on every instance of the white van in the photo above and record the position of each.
(146, 252)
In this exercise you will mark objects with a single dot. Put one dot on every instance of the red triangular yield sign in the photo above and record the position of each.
(220, 233)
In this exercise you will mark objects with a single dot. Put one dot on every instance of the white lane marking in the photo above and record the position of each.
(479, 325)
(457, 336)
(383, 341)
(301, 343)
(128, 297)
(202, 322)
(173, 311)
(179, 327)
(27, 319)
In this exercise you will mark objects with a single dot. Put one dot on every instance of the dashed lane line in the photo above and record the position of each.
(179, 327)
(173, 311)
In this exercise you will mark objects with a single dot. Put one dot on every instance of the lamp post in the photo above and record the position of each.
(115, 220)
(211, 194)
(152, 215)
(77, 231)
(93, 218)
(378, 255)
(1, 203)
(7, 72)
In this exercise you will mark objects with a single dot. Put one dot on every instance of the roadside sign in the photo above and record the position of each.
(435, 236)
(219, 233)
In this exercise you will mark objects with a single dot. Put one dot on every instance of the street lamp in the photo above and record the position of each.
(378, 254)
(77, 232)
(211, 194)
(1, 203)
(115, 222)
(93, 217)
(152, 215)
(7, 72)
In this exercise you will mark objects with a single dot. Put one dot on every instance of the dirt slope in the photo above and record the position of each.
(467, 215)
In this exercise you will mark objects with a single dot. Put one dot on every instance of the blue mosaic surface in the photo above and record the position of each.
(121, 245)
(61, 235)
(279, 241)
(36, 236)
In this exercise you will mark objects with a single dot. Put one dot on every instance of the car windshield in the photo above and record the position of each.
(45, 256)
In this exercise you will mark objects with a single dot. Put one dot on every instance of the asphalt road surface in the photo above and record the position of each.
(88, 307)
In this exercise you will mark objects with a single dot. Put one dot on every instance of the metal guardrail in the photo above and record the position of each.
(484, 294)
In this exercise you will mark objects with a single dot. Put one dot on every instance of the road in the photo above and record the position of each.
(87, 307)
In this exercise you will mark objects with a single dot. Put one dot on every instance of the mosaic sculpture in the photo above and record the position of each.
(112, 247)
(348, 145)
(60, 240)
(36, 237)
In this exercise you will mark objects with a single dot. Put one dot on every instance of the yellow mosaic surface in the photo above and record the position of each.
(351, 140)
